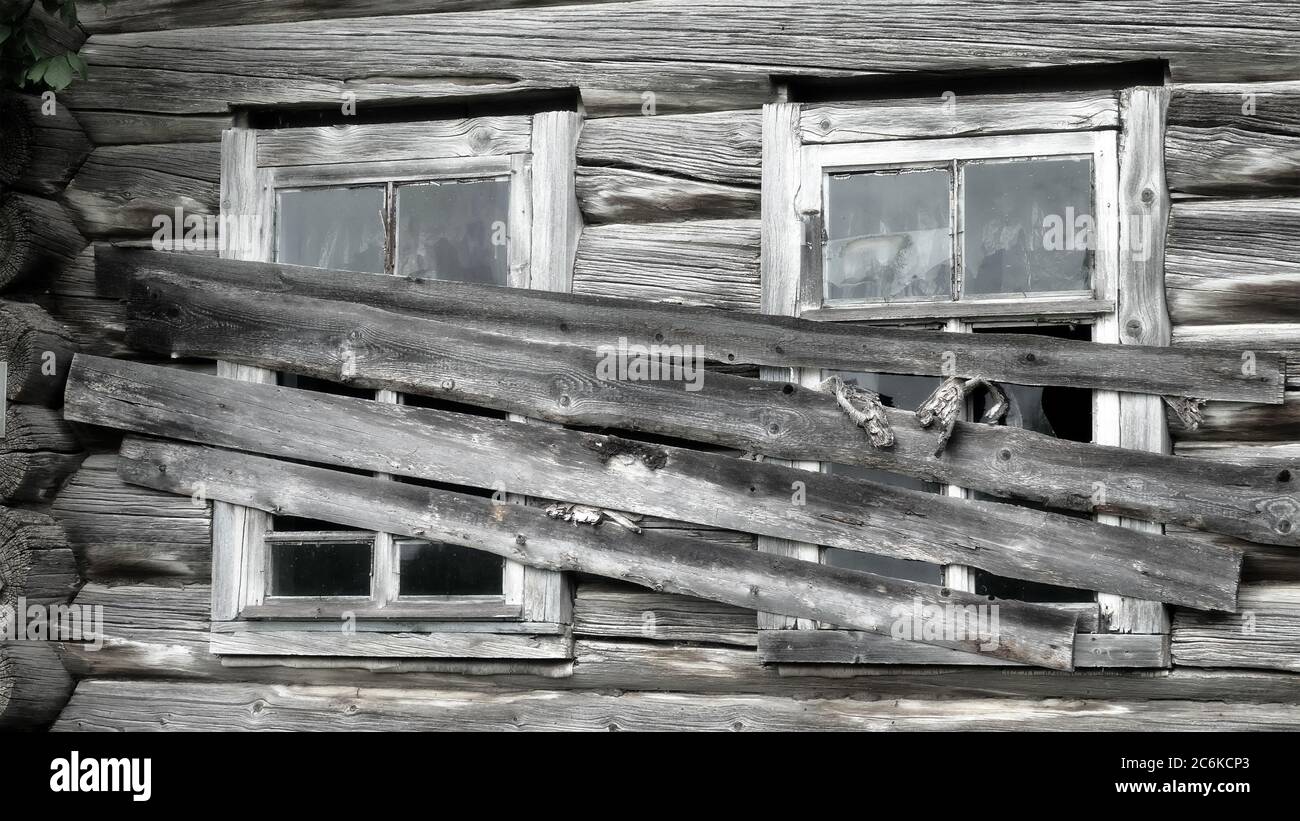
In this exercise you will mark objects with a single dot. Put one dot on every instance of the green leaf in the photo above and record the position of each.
(5, 31)
(78, 64)
(36, 72)
(59, 74)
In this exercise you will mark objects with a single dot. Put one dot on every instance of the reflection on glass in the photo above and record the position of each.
(438, 569)
(454, 230)
(1028, 225)
(905, 392)
(888, 235)
(340, 228)
(320, 569)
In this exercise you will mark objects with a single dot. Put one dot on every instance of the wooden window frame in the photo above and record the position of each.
(531, 618)
(1124, 132)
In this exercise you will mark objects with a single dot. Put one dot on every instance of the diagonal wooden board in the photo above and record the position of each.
(607, 471)
(1027, 633)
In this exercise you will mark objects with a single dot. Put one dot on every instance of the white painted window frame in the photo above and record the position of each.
(530, 618)
(1122, 136)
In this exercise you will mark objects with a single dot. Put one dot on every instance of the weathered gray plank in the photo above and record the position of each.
(618, 195)
(709, 489)
(609, 610)
(391, 645)
(37, 452)
(1234, 140)
(156, 706)
(733, 576)
(723, 147)
(184, 316)
(1263, 635)
(645, 252)
(34, 686)
(121, 189)
(395, 142)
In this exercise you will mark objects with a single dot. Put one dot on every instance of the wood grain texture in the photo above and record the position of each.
(395, 142)
(1234, 140)
(723, 147)
(525, 534)
(35, 561)
(139, 128)
(121, 189)
(1283, 338)
(37, 238)
(34, 686)
(619, 195)
(156, 706)
(1233, 261)
(976, 115)
(123, 532)
(37, 453)
(710, 263)
(609, 610)
(50, 147)
(618, 474)
(38, 350)
(1262, 635)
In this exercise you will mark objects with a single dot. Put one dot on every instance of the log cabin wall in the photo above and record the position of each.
(669, 163)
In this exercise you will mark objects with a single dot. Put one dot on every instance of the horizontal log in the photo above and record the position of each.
(957, 116)
(701, 262)
(723, 147)
(395, 142)
(41, 146)
(122, 532)
(35, 561)
(733, 576)
(1234, 140)
(1262, 635)
(154, 706)
(1280, 337)
(422, 644)
(121, 189)
(709, 489)
(37, 238)
(38, 350)
(34, 686)
(727, 336)
(37, 453)
(1096, 650)
(1241, 422)
(605, 609)
(1233, 261)
(191, 317)
(138, 128)
(1261, 563)
(618, 195)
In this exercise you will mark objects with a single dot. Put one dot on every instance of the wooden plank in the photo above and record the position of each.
(1083, 307)
(38, 350)
(703, 262)
(619, 474)
(959, 116)
(737, 576)
(121, 189)
(395, 645)
(1233, 261)
(34, 686)
(395, 142)
(1262, 635)
(1238, 422)
(609, 610)
(154, 706)
(1098, 650)
(723, 147)
(38, 451)
(614, 195)
(191, 317)
(1234, 140)
(691, 250)
(1249, 338)
(137, 128)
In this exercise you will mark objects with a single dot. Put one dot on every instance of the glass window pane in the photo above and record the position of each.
(454, 230)
(320, 569)
(340, 228)
(888, 235)
(1028, 225)
(896, 391)
(438, 569)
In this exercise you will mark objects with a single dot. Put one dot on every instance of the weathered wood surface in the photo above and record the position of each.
(420, 644)
(377, 348)
(37, 237)
(724, 147)
(138, 128)
(37, 453)
(1263, 635)
(1097, 650)
(395, 142)
(34, 686)
(729, 337)
(1252, 337)
(526, 534)
(606, 609)
(39, 152)
(1234, 140)
(35, 561)
(619, 195)
(121, 189)
(122, 532)
(1261, 563)
(1233, 261)
(716, 55)
(1242, 422)
(709, 489)
(144, 706)
(957, 116)
(38, 350)
(702, 262)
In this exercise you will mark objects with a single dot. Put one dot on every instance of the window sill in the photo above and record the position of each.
(440, 607)
(504, 640)
(971, 309)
